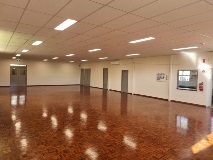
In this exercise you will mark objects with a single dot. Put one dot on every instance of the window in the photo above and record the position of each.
(187, 79)
(22, 72)
(14, 71)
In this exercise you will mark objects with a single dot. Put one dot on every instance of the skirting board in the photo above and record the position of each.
(198, 105)
(47, 85)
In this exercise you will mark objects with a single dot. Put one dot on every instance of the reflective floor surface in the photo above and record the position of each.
(81, 123)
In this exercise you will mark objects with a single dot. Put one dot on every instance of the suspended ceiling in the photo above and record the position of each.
(106, 24)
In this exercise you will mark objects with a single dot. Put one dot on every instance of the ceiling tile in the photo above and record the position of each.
(161, 6)
(154, 30)
(76, 39)
(54, 22)
(4, 43)
(29, 29)
(199, 26)
(100, 17)
(47, 32)
(98, 31)
(65, 35)
(113, 34)
(2, 47)
(18, 40)
(26, 46)
(102, 1)
(22, 35)
(5, 33)
(95, 40)
(19, 3)
(123, 21)
(86, 7)
(9, 13)
(38, 38)
(8, 26)
(80, 27)
(54, 41)
(128, 6)
(190, 10)
(35, 18)
(15, 44)
(11, 49)
(206, 32)
(172, 33)
(47, 6)
(140, 26)
(198, 18)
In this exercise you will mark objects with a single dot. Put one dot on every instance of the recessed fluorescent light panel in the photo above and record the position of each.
(71, 61)
(55, 58)
(65, 24)
(70, 55)
(13, 57)
(18, 55)
(179, 49)
(45, 60)
(94, 50)
(84, 60)
(136, 54)
(25, 50)
(142, 40)
(103, 58)
(36, 43)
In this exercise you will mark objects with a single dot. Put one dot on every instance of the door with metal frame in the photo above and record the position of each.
(18, 76)
(105, 78)
(87, 73)
(82, 77)
(124, 81)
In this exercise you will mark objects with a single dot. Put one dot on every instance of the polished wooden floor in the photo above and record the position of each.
(80, 123)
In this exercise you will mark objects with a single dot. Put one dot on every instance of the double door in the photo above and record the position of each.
(18, 76)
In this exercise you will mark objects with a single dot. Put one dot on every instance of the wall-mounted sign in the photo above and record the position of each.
(161, 77)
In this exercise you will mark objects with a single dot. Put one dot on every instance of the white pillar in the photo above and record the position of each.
(170, 77)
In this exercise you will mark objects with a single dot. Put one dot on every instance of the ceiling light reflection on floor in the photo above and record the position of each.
(91, 153)
(129, 141)
(68, 133)
(13, 116)
(102, 127)
(54, 122)
(83, 116)
(70, 110)
(23, 143)
(18, 128)
(45, 113)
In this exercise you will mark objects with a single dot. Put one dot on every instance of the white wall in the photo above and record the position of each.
(146, 70)
(143, 71)
(191, 61)
(43, 73)
(114, 74)
(141, 77)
